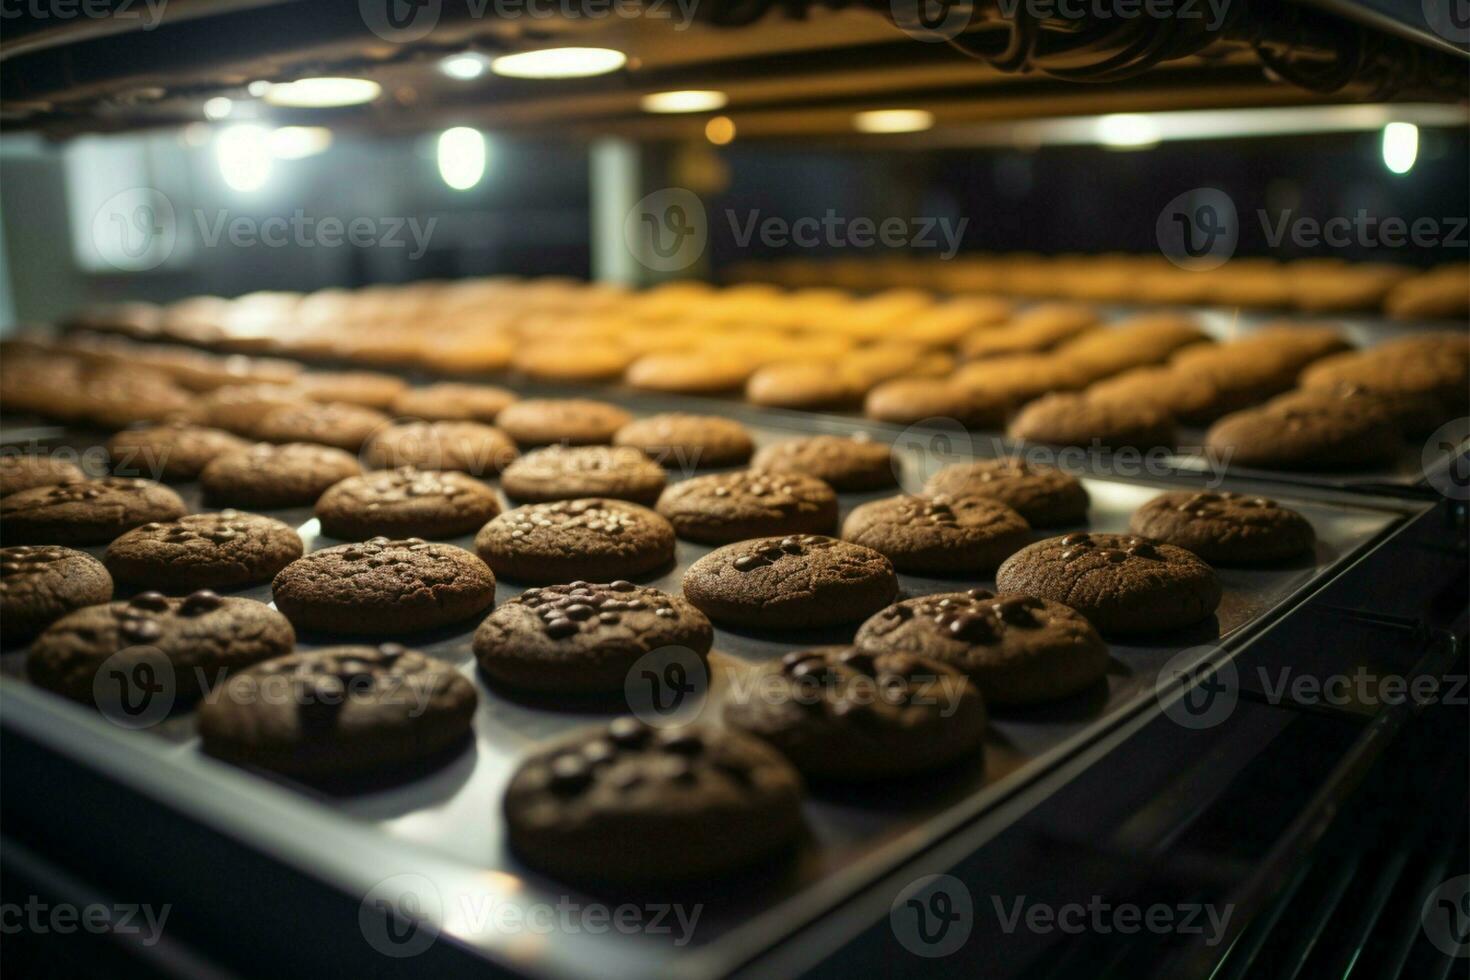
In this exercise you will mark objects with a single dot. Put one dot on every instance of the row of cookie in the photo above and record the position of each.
(1310, 285)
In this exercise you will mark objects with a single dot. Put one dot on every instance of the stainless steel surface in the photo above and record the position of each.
(442, 830)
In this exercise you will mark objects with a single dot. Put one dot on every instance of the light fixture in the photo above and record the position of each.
(1127, 131)
(244, 156)
(323, 93)
(720, 130)
(465, 67)
(461, 154)
(258, 88)
(893, 121)
(559, 63)
(1400, 146)
(686, 100)
(295, 142)
(217, 108)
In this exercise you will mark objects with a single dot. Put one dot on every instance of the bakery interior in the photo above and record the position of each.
(1211, 250)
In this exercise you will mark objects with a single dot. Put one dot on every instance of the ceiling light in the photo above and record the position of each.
(295, 142)
(720, 130)
(323, 93)
(559, 63)
(465, 67)
(461, 154)
(244, 157)
(218, 107)
(893, 121)
(258, 87)
(687, 100)
(1127, 131)
(1400, 146)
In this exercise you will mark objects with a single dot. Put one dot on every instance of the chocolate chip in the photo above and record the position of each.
(628, 732)
(1079, 540)
(149, 600)
(570, 774)
(559, 628)
(140, 630)
(200, 602)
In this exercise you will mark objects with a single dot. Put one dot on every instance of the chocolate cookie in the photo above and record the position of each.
(1043, 495)
(202, 637)
(405, 503)
(383, 586)
(939, 535)
(1069, 419)
(905, 401)
(846, 464)
(624, 802)
(592, 539)
(1122, 583)
(239, 408)
(266, 476)
(452, 401)
(842, 714)
(1225, 528)
(338, 424)
(1306, 434)
(569, 472)
(722, 507)
(695, 372)
(337, 711)
(203, 551)
(39, 585)
(172, 451)
(1018, 649)
(795, 582)
(582, 638)
(680, 441)
(809, 386)
(466, 447)
(569, 421)
(22, 472)
(85, 512)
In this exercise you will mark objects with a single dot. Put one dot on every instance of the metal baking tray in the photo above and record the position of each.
(439, 836)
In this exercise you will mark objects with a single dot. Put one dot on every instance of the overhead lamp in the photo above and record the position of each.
(296, 142)
(559, 63)
(323, 93)
(1400, 146)
(461, 157)
(893, 121)
(684, 100)
(464, 67)
(1127, 131)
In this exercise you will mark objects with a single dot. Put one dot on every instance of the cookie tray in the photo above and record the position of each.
(437, 834)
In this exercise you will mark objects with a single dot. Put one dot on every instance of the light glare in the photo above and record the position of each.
(1400, 146)
(559, 63)
(686, 100)
(244, 157)
(323, 93)
(461, 156)
(893, 121)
